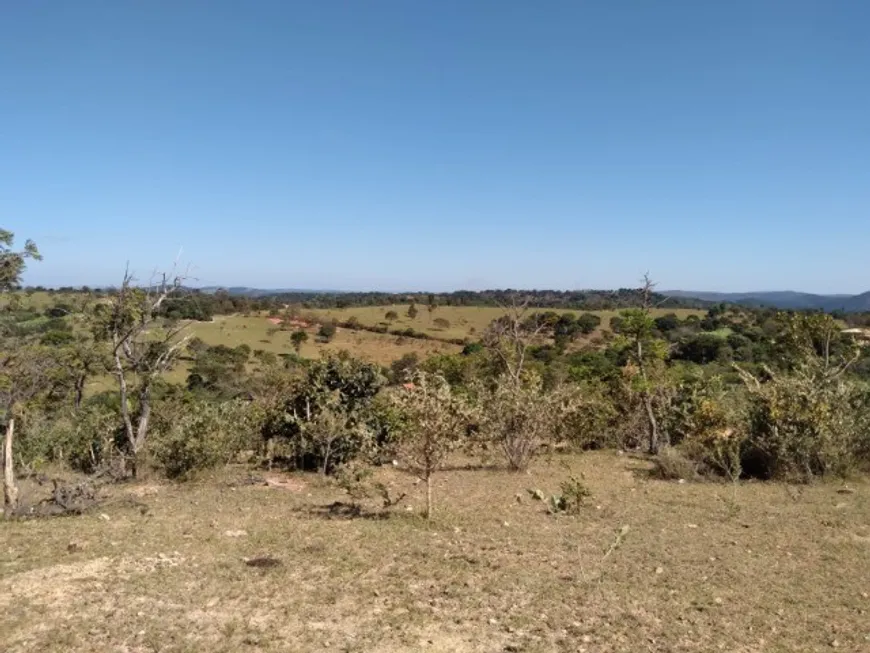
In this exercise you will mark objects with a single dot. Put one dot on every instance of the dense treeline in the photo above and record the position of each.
(197, 304)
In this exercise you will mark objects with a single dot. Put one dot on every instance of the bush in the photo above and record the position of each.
(672, 464)
(801, 427)
(86, 442)
(519, 417)
(204, 436)
(327, 332)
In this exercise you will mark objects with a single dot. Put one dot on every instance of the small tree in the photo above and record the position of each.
(588, 322)
(434, 425)
(12, 264)
(645, 353)
(298, 338)
(519, 417)
(441, 323)
(143, 346)
(391, 316)
(327, 332)
(412, 311)
(431, 305)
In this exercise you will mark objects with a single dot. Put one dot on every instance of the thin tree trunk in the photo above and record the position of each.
(653, 424)
(428, 496)
(142, 424)
(647, 403)
(10, 489)
(80, 390)
(125, 408)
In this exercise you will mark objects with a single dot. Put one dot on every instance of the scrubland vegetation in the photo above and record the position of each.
(559, 472)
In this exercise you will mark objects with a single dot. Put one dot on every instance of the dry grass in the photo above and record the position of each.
(465, 321)
(235, 330)
(784, 571)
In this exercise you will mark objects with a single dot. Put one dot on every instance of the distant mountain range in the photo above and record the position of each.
(786, 299)
(264, 292)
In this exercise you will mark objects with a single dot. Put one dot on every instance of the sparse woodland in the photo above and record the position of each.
(737, 393)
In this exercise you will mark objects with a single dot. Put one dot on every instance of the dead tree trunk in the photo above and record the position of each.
(10, 489)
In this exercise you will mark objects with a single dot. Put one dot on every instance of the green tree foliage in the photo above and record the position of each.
(404, 368)
(412, 311)
(703, 348)
(219, 371)
(327, 332)
(812, 420)
(205, 435)
(324, 414)
(645, 355)
(298, 338)
(434, 423)
(667, 323)
(13, 263)
(588, 322)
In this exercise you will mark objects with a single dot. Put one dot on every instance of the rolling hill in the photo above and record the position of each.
(784, 299)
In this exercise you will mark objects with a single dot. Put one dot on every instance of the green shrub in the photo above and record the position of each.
(204, 436)
(805, 427)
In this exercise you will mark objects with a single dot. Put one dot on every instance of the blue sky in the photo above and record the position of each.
(401, 144)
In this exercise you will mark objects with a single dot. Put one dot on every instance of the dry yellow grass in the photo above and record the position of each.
(785, 571)
(465, 321)
(255, 332)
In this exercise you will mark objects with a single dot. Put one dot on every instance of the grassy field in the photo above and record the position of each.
(465, 321)
(255, 332)
(161, 567)
(235, 330)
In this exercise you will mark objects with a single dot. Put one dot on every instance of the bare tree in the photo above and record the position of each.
(143, 346)
(509, 337)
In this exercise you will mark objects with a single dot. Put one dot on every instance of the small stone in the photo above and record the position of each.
(586, 639)
(238, 533)
(835, 643)
(717, 601)
(72, 547)
(660, 570)
(493, 622)
(691, 526)
(104, 516)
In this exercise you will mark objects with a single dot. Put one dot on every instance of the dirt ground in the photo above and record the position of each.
(162, 567)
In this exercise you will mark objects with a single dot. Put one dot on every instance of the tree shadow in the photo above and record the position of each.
(342, 510)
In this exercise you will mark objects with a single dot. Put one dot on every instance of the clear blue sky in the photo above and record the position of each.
(441, 144)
